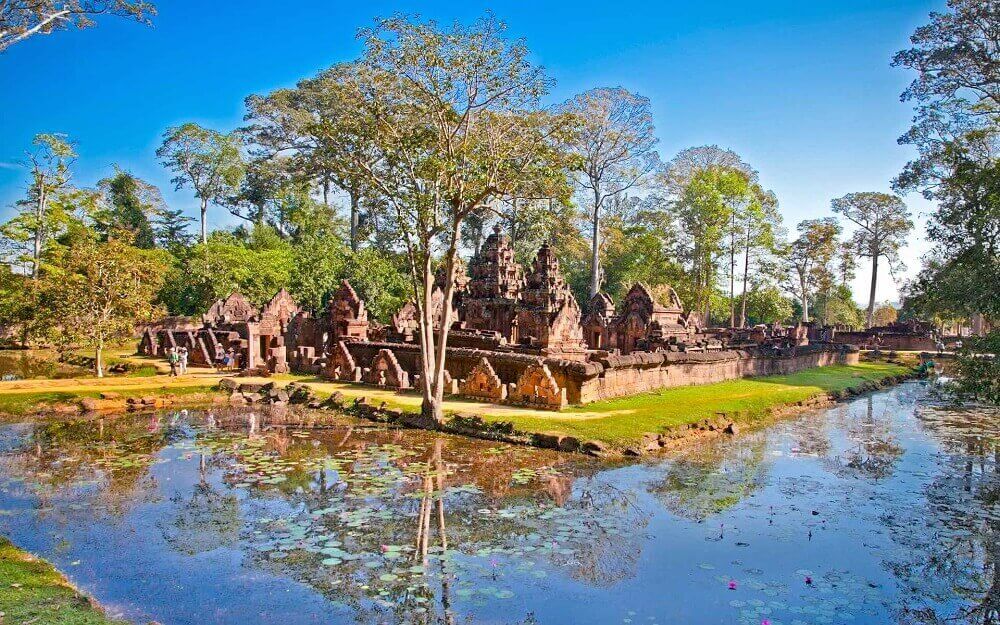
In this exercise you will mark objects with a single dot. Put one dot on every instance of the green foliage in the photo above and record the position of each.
(809, 258)
(94, 293)
(979, 368)
(380, 280)
(49, 204)
(836, 307)
(959, 276)
(257, 266)
(171, 229)
(767, 305)
(320, 262)
(706, 210)
(208, 161)
(129, 204)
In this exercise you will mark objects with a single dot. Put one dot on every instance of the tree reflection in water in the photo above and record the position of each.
(707, 480)
(961, 556)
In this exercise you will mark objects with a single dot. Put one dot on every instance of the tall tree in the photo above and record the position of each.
(310, 124)
(706, 184)
(809, 257)
(130, 204)
(882, 223)
(171, 229)
(706, 209)
(617, 150)
(448, 120)
(957, 88)
(957, 134)
(97, 292)
(760, 229)
(21, 19)
(41, 212)
(207, 160)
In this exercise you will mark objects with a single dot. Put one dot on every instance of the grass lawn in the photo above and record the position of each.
(26, 396)
(619, 421)
(32, 591)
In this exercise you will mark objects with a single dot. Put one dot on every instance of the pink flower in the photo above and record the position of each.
(766, 622)
(809, 580)
(732, 584)
(385, 548)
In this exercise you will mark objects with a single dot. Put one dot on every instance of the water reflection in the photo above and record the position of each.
(882, 510)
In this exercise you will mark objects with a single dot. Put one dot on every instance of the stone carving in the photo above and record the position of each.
(385, 371)
(347, 314)
(282, 307)
(405, 324)
(548, 316)
(233, 309)
(537, 387)
(340, 365)
(482, 382)
(494, 288)
(601, 311)
(643, 323)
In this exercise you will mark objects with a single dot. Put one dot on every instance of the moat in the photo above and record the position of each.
(883, 509)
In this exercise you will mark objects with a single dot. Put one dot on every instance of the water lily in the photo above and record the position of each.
(766, 622)
(732, 584)
(809, 580)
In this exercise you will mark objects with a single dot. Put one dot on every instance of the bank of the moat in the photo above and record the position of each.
(884, 508)
(636, 425)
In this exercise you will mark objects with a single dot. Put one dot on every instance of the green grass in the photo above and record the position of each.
(619, 421)
(17, 404)
(32, 591)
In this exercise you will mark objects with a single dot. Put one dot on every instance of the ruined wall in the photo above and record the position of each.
(899, 342)
(643, 371)
(612, 376)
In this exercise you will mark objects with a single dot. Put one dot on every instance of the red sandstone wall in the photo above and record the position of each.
(899, 342)
(682, 370)
(618, 376)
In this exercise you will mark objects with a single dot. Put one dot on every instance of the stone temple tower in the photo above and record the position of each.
(548, 317)
(494, 288)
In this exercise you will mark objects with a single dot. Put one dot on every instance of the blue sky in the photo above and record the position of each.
(803, 91)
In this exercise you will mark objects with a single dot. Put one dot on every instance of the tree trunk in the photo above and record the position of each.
(871, 293)
(709, 280)
(746, 271)
(204, 220)
(355, 218)
(429, 408)
(805, 298)
(259, 217)
(99, 359)
(732, 273)
(36, 252)
(595, 257)
(441, 349)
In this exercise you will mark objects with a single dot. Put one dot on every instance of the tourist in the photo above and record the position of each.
(183, 357)
(230, 359)
(220, 357)
(173, 361)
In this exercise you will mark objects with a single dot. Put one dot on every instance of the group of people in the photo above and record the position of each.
(177, 358)
(225, 360)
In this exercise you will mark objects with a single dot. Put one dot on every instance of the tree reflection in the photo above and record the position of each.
(706, 481)
(959, 552)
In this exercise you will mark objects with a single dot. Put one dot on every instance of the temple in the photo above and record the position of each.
(514, 337)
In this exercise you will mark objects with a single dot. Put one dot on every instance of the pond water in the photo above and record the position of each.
(23, 365)
(885, 509)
